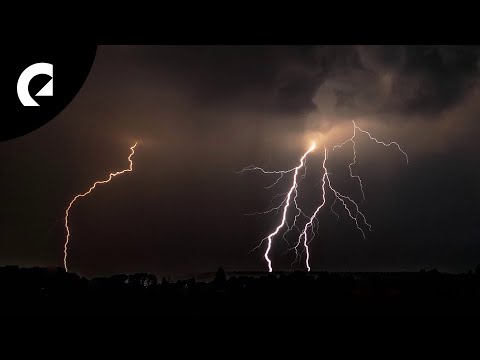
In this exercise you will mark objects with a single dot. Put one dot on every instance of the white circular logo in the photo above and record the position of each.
(24, 80)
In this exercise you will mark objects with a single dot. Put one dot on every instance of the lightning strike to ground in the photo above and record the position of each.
(350, 206)
(67, 211)
(293, 189)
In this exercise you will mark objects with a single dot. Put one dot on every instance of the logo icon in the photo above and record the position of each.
(38, 98)
(24, 80)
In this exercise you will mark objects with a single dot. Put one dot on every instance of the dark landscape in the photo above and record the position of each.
(42, 291)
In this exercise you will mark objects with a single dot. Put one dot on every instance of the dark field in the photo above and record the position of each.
(41, 291)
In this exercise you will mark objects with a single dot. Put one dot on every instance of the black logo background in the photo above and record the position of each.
(71, 66)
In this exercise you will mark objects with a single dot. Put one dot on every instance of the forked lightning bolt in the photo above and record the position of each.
(354, 160)
(67, 211)
(345, 200)
(352, 140)
(286, 201)
(313, 217)
(350, 206)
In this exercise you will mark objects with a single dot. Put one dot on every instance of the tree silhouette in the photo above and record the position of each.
(142, 280)
(48, 291)
(220, 277)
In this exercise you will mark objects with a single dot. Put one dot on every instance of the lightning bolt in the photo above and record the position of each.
(67, 211)
(286, 201)
(344, 199)
(338, 196)
(350, 206)
(381, 142)
(352, 140)
(312, 218)
(354, 160)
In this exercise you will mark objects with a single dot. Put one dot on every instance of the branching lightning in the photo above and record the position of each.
(293, 189)
(354, 160)
(67, 211)
(350, 206)
(310, 222)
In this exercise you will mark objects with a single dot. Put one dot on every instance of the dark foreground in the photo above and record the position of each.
(42, 291)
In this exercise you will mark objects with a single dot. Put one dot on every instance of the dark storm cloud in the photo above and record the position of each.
(442, 75)
(275, 78)
(396, 80)
(337, 81)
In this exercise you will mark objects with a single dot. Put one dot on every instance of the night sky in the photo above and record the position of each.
(201, 113)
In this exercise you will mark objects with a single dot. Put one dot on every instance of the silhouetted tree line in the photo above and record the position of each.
(45, 291)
